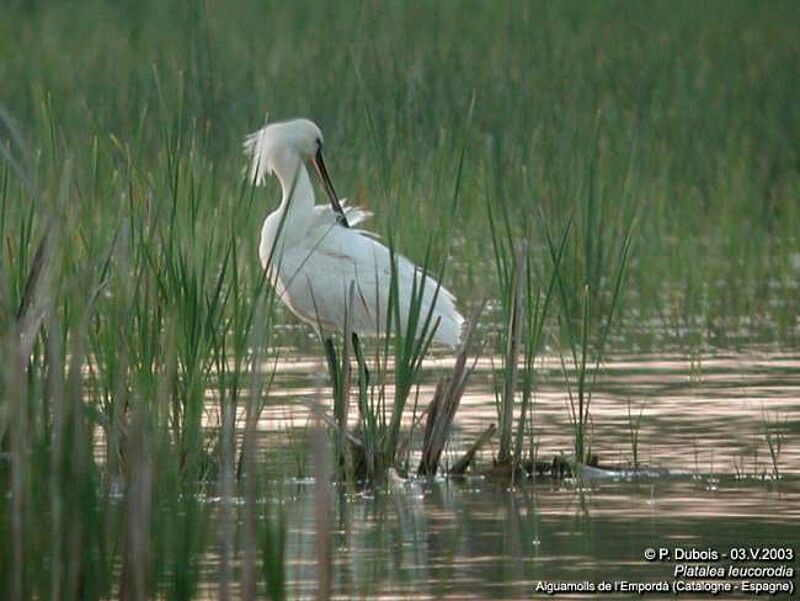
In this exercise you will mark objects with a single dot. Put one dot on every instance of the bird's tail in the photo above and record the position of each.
(451, 322)
(437, 301)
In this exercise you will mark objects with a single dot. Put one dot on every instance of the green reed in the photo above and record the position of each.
(526, 292)
(121, 334)
(405, 335)
(404, 341)
(120, 132)
(586, 333)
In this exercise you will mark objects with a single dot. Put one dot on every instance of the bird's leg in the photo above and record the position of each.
(333, 365)
(337, 378)
(362, 364)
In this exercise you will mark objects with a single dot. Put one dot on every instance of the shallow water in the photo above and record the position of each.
(697, 415)
(477, 538)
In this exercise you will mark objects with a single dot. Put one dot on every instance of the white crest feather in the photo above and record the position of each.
(255, 147)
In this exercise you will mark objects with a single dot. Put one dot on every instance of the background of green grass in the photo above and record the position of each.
(688, 110)
(126, 145)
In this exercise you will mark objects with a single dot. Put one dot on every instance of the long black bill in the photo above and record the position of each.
(319, 164)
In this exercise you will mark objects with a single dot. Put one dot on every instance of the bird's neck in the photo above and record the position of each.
(298, 193)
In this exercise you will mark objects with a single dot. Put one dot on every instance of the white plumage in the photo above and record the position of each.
(318, 259)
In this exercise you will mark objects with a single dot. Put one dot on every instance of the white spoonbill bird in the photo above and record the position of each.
(319, 257)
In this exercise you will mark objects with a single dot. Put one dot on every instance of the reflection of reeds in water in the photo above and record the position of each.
(634, 427)
(775, 434)
(323, 501)
(129, 271)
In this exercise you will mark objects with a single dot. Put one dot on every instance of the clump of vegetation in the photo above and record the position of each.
(139, 335)
(129, 353)
(375, 445)
(526, 292)
(590, 293)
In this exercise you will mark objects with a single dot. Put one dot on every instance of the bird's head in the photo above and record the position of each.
(280, 148)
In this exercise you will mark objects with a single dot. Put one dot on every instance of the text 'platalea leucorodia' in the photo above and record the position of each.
(319, 258)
